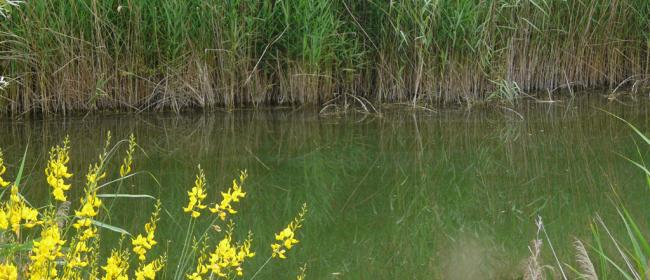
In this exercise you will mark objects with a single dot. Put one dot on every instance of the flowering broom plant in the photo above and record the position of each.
(52, 242)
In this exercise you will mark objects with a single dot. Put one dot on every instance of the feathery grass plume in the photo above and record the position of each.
(534, 268)
(585, 265)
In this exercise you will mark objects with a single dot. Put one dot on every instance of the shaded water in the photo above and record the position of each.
(451, 195)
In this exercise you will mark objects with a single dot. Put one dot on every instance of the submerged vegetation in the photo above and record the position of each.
(613, 256)
(173, 54)
(50, 243)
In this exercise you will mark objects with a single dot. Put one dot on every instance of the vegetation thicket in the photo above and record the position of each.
(173, 54)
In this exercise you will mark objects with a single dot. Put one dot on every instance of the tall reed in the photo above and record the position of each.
(172, 54)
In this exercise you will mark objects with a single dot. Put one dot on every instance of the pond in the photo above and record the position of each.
(452, 194)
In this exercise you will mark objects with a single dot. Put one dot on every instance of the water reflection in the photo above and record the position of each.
(399, 194)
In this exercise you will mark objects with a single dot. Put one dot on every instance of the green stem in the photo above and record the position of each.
(261, 267)
(185, 247)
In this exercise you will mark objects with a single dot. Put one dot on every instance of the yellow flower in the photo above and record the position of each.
(3, 169)
(4, 219)
(196, 195)
(228, 257)
(201, 269)
(141, 244)
(76, 257)
(45, 251)
(149, 270)
(89, 209)
(125, 168)
(29, 215)
(16, 213)
(8, 271)
(90, 204)
(57, 170)
(278, 251)
(117, 266)
(93, 178)
(286, 238)
(233, 194)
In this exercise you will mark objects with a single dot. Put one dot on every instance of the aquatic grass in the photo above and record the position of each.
(627, 255)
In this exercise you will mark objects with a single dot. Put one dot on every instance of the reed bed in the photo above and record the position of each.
(88, 55)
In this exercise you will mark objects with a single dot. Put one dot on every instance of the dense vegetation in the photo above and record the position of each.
(173, 54)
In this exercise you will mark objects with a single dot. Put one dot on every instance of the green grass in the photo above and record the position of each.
(172, 54)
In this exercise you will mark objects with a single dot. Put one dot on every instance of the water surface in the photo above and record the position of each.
(402, 195)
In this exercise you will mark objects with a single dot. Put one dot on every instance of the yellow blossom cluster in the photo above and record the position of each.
(286, 238)
(149, 270)
(201, 269)
(45, 251)
(57, 170)
(117, 266)
(90, 204)
(8, 271)
(233, 194)
(226, 256)
(196, 195)
(141, 244)
(3, 169)
(127, 162)
(226, 259)
(51, 256)
(76, 258)
(86, 230)
(16, 212)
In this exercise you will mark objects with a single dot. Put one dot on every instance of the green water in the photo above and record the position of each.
(404, 195)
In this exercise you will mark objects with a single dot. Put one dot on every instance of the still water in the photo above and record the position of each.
(402, 195)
